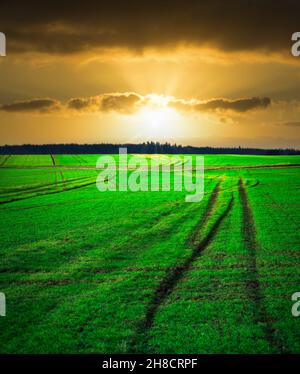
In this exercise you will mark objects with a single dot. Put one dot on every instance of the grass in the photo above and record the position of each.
(118, 272)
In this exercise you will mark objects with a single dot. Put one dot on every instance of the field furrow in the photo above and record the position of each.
(253, 283)
(175, 274)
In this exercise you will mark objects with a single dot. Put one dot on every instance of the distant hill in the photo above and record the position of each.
(148, 147)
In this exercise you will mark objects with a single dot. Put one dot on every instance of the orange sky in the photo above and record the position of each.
(91, 84)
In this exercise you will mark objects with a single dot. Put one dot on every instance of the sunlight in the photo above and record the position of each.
(156, 116)
(157, 122)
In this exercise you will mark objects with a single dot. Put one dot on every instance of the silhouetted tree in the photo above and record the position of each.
(148, 147)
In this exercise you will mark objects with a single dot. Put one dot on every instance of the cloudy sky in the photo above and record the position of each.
(193, 72)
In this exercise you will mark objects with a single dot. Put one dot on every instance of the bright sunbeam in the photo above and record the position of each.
(156, 118)
(157, 122)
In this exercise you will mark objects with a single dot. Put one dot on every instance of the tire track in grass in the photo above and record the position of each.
(53, 160)
(87, 167)
(60, 172)
(253, 284)
(207, 214)
(54, 165)
(175, 274)
(37, 187)
(42, 191)
(63, 182)
(5, 160)
(48, 193)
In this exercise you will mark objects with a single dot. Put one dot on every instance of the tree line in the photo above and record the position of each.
(146, 147)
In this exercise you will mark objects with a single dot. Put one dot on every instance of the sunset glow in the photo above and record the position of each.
(91, 76)
(157, 122)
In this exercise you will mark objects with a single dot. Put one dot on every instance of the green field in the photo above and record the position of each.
(85, 271)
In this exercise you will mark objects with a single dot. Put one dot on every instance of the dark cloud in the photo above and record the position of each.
(131, 102)
(34, 105)
(71, 26)
(290, 124)
(83, 103)
(122, 103)
(125, 103)
(239, 105)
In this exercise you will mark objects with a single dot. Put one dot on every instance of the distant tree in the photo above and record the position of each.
(148, 147)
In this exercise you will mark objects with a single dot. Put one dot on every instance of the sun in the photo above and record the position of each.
(156, 120)
(155, 116)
